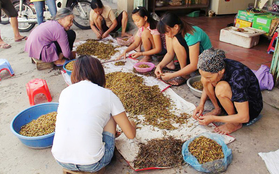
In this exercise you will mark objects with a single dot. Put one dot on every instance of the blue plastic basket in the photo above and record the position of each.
(64, 67)
(27, 116)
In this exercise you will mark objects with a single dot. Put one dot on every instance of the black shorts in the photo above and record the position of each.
(119, 23)
(8, 8)
(252, 112)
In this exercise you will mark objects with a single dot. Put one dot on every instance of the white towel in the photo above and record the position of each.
(271, 160)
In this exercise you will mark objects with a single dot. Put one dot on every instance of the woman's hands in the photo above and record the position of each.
(198, 112)
(136, 55)
(205, 120)
(105, 34)
(99, 35)
(160, 75)
(158, 71)
(123, 55)
(167, 76)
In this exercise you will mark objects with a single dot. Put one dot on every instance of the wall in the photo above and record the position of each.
(127, 5)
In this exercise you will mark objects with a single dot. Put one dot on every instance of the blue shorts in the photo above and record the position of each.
(109, 140)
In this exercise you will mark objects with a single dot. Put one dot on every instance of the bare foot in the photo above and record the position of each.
(4, 45)
(138, 49)
(228, 128)
(216, 111)
(74, 53)
(170, 65)
(126, 34)
(176, 81)
(146, 59)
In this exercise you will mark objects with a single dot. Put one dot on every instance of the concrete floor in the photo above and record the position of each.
(17, 158)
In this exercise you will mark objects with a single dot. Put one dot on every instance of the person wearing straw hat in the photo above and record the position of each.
(232, 87)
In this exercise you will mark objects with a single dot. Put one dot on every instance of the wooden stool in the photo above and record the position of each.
(42, 65)
(66, 171)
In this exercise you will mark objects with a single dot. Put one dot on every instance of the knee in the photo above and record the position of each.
(205, 83)
(223, 89)
(98, 19)
(124, 15)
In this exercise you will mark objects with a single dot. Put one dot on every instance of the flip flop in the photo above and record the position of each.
(176, 81)
(177, 67)
(5, 46)
(24, 38)
(59, 65)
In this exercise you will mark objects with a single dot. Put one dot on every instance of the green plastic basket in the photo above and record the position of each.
(194, 14)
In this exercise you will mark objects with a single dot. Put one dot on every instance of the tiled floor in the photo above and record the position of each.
(253, 57)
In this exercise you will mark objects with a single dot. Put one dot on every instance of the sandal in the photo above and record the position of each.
(176, 81)
(5, 46)
(23, 38)
(177, 67)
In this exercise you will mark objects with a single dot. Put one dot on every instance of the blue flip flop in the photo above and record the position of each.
(253, 121)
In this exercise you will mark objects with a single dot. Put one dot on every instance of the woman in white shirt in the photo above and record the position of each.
(86, 122)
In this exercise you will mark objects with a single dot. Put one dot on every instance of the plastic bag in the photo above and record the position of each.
(125, 41)
(264, 77)
(215, 166)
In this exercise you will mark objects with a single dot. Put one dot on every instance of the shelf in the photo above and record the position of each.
(204, 4)
(179, 7)
(272, 12)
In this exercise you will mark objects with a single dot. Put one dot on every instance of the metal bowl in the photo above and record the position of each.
(190, 82)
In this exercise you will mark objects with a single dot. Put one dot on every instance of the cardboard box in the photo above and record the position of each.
(248, 38)
(247, 15)
(241, 23)
(263, 22)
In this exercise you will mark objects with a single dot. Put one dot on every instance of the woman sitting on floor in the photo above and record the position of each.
(53, 41)
(147, 35)
(185, 42)
(103, 20)
(86, 121)
(236, 88)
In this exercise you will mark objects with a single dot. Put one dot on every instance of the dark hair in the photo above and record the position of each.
(88, 68)
(96, 4)
(142, 12)
(170, 19)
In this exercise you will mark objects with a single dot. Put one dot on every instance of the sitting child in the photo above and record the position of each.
(147, 35)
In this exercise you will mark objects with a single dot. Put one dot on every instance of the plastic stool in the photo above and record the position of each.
(272, 43)
(5, 65)
(37, 86)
